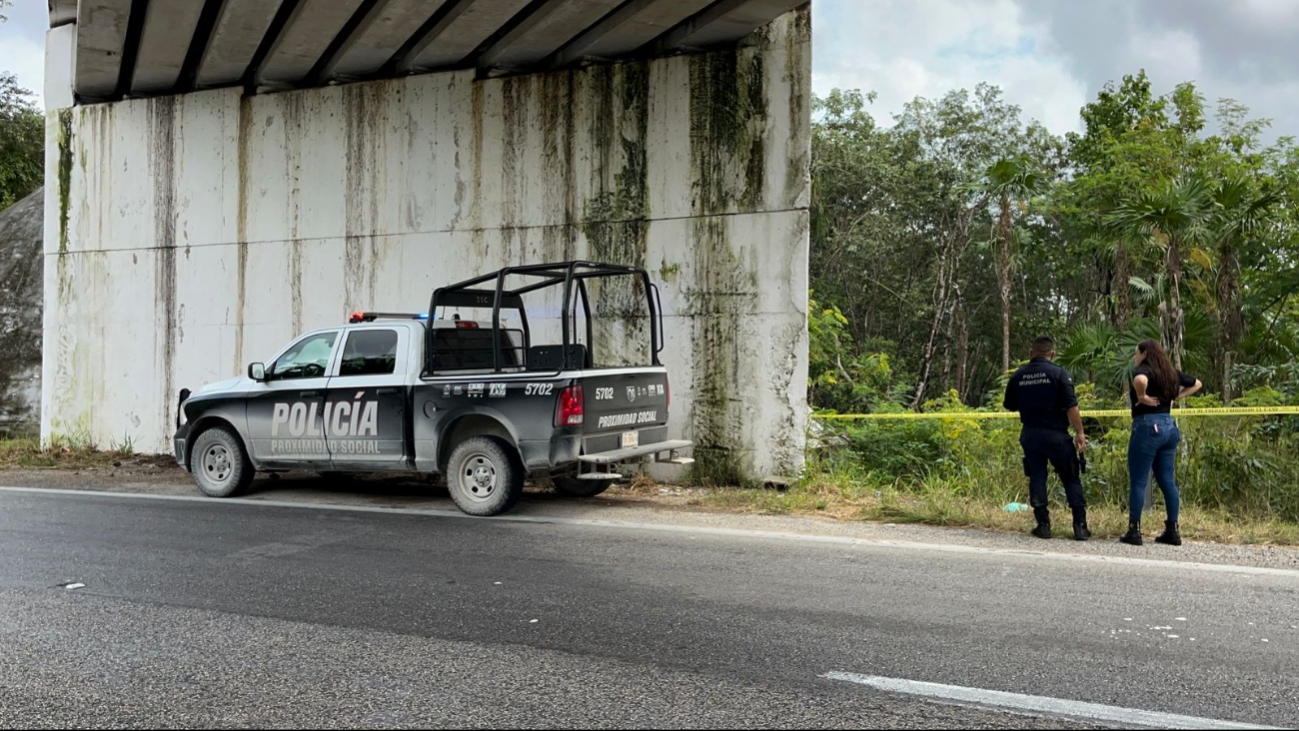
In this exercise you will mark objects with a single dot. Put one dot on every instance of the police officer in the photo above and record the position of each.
(1042, 392)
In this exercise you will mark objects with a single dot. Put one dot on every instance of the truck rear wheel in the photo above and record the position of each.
(483, 477)
(220, 464)
(573, 487)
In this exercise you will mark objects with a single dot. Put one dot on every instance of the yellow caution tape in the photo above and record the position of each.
(1235, 411)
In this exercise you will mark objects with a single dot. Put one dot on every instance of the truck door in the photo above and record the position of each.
(365, 406)
(286, 411)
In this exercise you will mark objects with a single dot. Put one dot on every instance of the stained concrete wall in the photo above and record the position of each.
(186, 236)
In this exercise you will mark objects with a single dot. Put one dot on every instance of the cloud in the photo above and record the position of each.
(1052, 57)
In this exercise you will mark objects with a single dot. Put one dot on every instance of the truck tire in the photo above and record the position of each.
(483, 477)
(220, 464)
(573, 487)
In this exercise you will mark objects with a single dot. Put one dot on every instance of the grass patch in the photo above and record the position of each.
(63, 453)
(845, 496)
(1238, 476)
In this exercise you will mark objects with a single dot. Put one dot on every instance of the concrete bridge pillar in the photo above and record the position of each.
(187, 235)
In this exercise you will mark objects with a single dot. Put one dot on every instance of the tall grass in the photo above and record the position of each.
(1243, 466)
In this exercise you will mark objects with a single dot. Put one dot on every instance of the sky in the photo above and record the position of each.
(22, 43)
(1049, 56)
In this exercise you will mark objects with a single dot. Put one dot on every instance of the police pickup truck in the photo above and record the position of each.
(470, 400)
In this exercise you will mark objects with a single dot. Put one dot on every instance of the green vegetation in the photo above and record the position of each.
(950, 239)
(943, 244)
(22, 140)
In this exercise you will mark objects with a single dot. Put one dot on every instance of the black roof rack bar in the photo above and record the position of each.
(554, 270)
(577, 276)
(568, 273)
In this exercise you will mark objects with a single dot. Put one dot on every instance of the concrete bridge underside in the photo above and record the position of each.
(128, 48)
(251, 194)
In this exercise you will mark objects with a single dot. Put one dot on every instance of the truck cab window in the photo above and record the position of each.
(457, 349)
(369, 353)
(307, 358)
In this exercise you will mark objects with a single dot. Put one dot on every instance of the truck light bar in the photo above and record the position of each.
(372, 316)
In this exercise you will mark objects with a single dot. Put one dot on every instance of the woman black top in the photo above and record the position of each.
(1156, 384)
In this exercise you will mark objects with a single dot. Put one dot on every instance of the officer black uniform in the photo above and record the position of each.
(1043, 394)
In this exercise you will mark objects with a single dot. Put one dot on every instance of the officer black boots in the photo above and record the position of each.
(1170, 536)
(1043, 529)
(1080, 530)
(1133, 536)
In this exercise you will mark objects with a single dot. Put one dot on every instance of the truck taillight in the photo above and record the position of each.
(667, 385)
(571, 408)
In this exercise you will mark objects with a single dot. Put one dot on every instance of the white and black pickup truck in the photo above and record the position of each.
(471, 400)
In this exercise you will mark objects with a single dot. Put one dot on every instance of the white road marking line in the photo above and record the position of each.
(1038, 705)
(690, 530)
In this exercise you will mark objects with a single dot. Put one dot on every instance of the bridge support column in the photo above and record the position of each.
(186, 236)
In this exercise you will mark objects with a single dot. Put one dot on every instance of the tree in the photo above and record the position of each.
(1172, 216)
(22, 142)
(1009, 182)
(960, 228)
(965, 135)
(1130, 143)
(22, 139)
(1241, 211)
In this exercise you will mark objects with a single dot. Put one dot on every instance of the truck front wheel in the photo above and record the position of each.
(573, 487)
(220, 465)
(484, 479)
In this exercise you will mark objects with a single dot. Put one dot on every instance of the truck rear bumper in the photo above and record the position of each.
(655, 450)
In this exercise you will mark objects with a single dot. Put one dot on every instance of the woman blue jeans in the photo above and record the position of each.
(1153, 445)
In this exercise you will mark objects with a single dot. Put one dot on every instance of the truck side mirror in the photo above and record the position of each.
(257, 372)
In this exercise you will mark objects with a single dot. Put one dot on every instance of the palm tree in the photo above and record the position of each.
(1240, 212)
(1008, 182)
(1173, 216)
(1098, 352)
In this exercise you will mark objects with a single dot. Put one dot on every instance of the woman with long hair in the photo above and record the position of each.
(1156, 384)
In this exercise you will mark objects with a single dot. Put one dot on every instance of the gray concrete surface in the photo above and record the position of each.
(101, 37)
(238, 32)
(523, 35)
(165, 39)
(218, 614)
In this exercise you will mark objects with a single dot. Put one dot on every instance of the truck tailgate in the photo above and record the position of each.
(624, 401)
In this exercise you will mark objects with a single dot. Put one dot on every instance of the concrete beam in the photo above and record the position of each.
(733, 20)
(62, 12)
(304, 42)
(478, 22)
(239, 31)
(169, 27)
(60, 48)
(631, 26)
(555, 24)
(101, 35)
(390, 26)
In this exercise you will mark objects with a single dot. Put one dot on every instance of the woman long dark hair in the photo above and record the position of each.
(1156, 384)
(1163, 376)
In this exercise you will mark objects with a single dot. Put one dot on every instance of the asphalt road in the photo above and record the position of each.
(234, 615)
